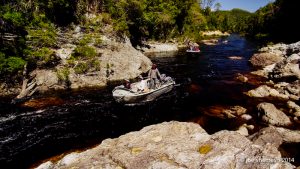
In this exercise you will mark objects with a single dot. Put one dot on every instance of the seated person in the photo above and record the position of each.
(143, 85)
(127, 84)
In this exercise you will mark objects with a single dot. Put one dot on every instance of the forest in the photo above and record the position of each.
(29, 29)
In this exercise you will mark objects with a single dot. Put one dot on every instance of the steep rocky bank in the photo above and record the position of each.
(279, 64)
(115, 60)
(180, 145)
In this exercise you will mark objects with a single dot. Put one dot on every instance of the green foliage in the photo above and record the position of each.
(106, 18)
(84, 52)
(14, 64)
(95, 64)
(194, 22)
(235, 20)
(2, 63)
(43, 56)
(16, 18)
(98, 42)
(277, 20)
(85, 40)
(41, 33)
(81, 68)
(63, 74)
(86, 66)
(11, 64)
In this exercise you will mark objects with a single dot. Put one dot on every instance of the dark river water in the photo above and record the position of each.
(76, 120)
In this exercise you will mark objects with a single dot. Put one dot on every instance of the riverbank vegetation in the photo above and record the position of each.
(30, 31)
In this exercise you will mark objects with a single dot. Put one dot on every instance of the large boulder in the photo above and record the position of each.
(265, 59)
(279, 49)
(289, 136)
(271, 115)
(266, 91)
(160, 48)
(267, 135)
(285, 69)
(175, 145)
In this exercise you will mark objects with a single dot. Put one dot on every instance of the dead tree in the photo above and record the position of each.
(29, 86)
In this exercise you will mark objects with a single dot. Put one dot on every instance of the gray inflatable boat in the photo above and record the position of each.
(134, 95)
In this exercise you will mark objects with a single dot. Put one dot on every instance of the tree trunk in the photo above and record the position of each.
(28, 89)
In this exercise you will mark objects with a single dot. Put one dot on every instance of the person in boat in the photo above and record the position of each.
(153, 75)
(127, 84)
(191, 45)
(195, 47)
(142, 86)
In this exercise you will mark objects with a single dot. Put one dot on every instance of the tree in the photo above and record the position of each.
(218, 6)
(207, 4)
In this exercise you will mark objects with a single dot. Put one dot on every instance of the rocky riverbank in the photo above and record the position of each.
(114, 60)
(181, 145)
(279, 64)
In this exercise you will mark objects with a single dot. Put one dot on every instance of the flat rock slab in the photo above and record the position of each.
(174, 145)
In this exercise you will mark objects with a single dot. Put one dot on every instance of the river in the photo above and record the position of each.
(76, 120)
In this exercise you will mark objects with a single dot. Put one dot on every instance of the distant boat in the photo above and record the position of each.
(193, 51)
(129, 96)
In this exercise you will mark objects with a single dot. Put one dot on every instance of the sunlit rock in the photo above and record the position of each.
(271, 115)
(266, 91)
(243, 130)
(65, 51)
(160, 48)
(289, 136)
(182, 145)
(47, 165)
(246, 117)
(234, 111)
(241, 78)
(294, 108)
(265, 59)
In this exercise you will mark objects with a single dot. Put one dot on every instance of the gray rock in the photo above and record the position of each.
(46, 165)
(271, 115)
(246, 117)
(77, 29)
(46, 79)
(243, 130)
(265, 59)
(66, 51)
(241, 78)
(294, 88)
(261, 91)
(177, 145)
(277, 49)
(289, 136)
(266, 91)
(294, 108)
(234, 111)
(285, 69)
(267, 135)
(293, 57)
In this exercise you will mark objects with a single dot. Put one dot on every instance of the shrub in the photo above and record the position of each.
(81, 68)
(84, 52)
(42, 37)
(14, 64)
(41, 32)
(44, 56)
(106, 18)
(63, 74)
(85, 40)
(2, 62)
(16, 18)
(95, 64)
